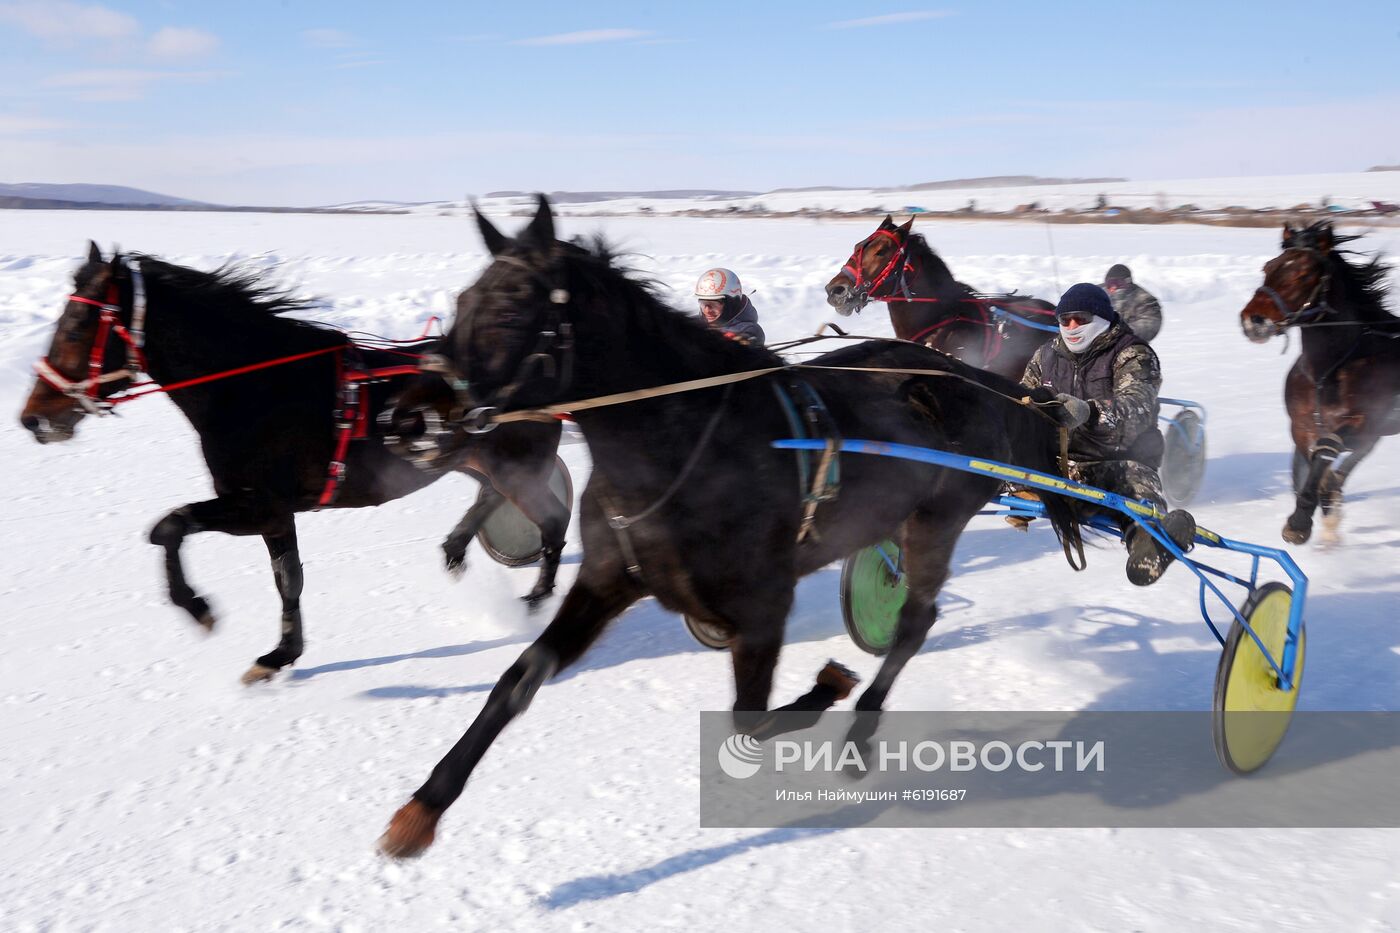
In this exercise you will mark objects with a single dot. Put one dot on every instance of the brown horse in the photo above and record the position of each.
(1342, 393)
(998, 333)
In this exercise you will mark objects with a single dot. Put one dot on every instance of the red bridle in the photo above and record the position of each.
(853, 269)
(87, 392)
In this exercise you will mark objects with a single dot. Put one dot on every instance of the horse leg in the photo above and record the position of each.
(586, 610)
(286, 571)
(1324, 452)
(234, 516)
(169, 533)
(755, 653)
(1330, 489)
(454, 546)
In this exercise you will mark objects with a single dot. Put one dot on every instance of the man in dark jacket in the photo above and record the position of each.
(1136, 306)
(1106, 378)
(725, 307)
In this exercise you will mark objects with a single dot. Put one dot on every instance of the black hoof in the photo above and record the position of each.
(1297, 532)
(203, 615)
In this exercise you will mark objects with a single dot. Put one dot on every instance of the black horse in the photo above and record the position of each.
(270, 435)
(1343, 393)
(928, 306)
(688, 501)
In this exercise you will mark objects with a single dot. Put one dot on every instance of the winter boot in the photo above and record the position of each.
(1148, 560)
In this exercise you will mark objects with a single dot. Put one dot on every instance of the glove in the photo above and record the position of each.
(1073, 411)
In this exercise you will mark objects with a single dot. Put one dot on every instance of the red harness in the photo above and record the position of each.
(352, 417)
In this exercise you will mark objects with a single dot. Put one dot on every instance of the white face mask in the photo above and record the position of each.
(1077, 339)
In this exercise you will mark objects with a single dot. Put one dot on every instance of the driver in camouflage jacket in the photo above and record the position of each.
(1106, 379)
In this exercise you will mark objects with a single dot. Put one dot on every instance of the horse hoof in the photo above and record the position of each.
(206, 622)
(1296, 535)
(456, 565)
(257, 674)
(535, 598)
(838, 677)
(411, 831)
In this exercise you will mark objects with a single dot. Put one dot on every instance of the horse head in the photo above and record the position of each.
(1294, 282)
(87, 360)
(873, 270)
(512, 338)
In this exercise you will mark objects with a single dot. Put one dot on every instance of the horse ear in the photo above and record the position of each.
(494, 239)
(94, 254)
(887, 223)
(1287, 234)
(905, 227)
(1325, 239)
(541, 228)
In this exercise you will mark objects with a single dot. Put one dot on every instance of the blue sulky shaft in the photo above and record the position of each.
(1140, 512)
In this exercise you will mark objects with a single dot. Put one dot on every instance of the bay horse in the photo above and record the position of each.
(1343, 392)
(275, 437)
(927, 305)
(688, 501)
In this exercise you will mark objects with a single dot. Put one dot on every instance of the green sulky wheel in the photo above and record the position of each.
(512, 539)
(1251, 713)
(872, 594)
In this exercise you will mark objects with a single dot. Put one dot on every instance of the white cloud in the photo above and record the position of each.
(111, 84)
(63, 21)
(890, 19)
(11, 124)
(585, 37)
(329, 39)
(182, 42)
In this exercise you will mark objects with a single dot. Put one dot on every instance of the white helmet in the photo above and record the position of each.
(718, 283)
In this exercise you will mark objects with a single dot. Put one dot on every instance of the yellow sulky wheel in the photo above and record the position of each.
(1251, 712)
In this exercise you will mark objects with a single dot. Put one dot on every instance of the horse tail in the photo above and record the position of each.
(1065, 520)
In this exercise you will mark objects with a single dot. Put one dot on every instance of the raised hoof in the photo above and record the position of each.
(1296, 535)
(838, 677)
(257, 674)
(411, 831)
(455, 564)
(1019, 522)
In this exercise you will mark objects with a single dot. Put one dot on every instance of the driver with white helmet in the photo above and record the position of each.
(725, 307)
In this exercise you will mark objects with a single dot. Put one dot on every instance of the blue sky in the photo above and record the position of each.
(310, 103)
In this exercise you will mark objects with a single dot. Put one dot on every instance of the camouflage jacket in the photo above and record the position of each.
(1139, 310)
(1119, 376)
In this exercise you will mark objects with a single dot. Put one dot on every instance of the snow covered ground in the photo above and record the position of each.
(141, 787)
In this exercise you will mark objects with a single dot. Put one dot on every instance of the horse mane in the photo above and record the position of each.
(948, 287)
(1364, 283)
(594, 263)
(235, 293)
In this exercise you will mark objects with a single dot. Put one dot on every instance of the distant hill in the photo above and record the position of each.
(1000, 181)
(584, 197)
(1384, 168)
(115, 195)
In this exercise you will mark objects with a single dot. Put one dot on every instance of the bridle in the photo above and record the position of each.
(87, 393)
(552, 358)
(1314, 308)
(862, 289)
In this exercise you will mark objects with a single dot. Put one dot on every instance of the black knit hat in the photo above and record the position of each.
(1118, 271)
(1086, 297)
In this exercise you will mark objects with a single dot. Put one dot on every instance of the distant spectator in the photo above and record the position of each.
(1134, 304)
